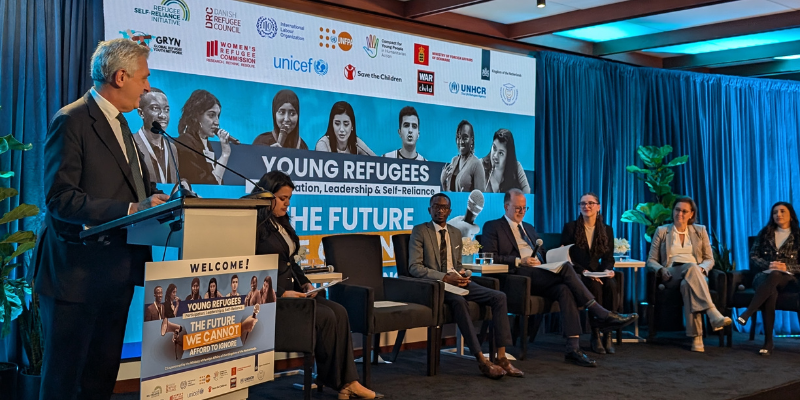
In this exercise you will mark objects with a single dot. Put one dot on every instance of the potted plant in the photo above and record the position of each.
(658, 176)
(14, 243)
(722, 255)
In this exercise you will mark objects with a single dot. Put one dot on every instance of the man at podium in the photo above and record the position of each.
(93, 175)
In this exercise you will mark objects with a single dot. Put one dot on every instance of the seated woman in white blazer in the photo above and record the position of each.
(681, 255)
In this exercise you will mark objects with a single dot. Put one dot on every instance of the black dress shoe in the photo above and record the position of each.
(609, 343)
(579, 358)
(615, 321)
(597, 342)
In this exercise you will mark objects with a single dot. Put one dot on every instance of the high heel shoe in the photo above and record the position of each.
(765, 352)
(741, 320)
(347, 393)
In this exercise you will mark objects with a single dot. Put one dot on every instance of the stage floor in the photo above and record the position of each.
(667, 370)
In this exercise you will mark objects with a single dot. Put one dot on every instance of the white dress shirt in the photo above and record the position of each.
(447, 243)
(589, 234)
(682, 252)
(525, 250)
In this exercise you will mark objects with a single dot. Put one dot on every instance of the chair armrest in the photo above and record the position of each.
(413, 290)
(487, 282)
(295, 320)
(718, 281)
(359, 301)
(518, 291)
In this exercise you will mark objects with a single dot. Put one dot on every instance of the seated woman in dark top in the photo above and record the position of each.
(334, 348)
(593, 251)
(775, 253)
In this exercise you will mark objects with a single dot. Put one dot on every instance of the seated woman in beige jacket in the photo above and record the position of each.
(681, 255)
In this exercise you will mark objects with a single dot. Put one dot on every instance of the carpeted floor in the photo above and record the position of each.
(667, 370)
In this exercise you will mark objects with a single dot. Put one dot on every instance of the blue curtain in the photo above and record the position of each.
(741, 135)
(45, 46)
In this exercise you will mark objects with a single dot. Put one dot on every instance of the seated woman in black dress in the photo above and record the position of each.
(334, 349)
(775, 253)
(593, 251)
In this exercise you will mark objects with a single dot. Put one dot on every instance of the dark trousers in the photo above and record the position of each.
(82, 346)
(607, 294)
(768, 287)
(485, 297)
(566, 288)
(334, 349)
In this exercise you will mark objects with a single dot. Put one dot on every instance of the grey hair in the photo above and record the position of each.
(113, 55)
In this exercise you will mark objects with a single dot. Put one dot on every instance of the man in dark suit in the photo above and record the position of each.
(435, 253)
(155, 311)
(93, 175)
(511, 240)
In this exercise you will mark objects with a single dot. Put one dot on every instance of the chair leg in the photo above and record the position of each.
(438, 352)
(619, 337)
(376, 349)
(308, 374)
(651, 323)
(399, 342)
(753, 320)
(366, 350)
(537, 323)
(431, 348)
(492, 344)
(515, 328)
(523, 342)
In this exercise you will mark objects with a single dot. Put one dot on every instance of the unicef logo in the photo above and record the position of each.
(509, 94)
(267, 27)
(321, 67)
(454, 87)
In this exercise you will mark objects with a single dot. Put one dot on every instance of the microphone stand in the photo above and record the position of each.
(178, 192)
(262, 192)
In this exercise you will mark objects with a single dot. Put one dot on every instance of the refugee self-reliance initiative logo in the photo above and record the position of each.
(157, 44)
(228, 53)
(319, 66)
(170, 12)
(329, 39)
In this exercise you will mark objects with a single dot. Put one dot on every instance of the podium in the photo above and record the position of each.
(199, 228)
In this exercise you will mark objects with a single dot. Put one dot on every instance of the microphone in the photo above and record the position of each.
(262, 193)
(178, 192)
(536, 247)
(474, 206)
(314, 270)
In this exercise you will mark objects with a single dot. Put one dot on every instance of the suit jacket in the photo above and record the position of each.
(87, 181)
(659, 249)
(581, 256)
(151, 313)
(498, 239)
(423, 252)
(765, 250)
(290, 275)
(147, 161)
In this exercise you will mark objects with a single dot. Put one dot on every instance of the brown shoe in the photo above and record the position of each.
(491, 371)
(510, 369)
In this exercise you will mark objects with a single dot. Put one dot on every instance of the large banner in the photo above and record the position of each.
(209, 326)
(369, 123)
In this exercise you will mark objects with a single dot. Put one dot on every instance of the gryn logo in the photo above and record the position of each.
(509, 93)
(266, 27)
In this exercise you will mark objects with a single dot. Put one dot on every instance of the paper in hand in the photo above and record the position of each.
(556, 257)
(325, 286)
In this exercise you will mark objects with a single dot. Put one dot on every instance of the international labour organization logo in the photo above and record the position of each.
(509, 94)
(454, 87)
(267, 27)
(321, 67)
(138, 37)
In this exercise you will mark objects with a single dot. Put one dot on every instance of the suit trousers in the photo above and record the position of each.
(607, 294)
(566, 288)
(333, 352)
(696, 296)
(483, 296)
(82, 346)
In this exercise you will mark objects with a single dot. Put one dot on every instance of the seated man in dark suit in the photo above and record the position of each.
(512, 242)
(435, 253)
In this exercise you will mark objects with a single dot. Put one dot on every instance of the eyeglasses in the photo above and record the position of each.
(521, 209)
(587, 204)
(437, 207)
(678, 210)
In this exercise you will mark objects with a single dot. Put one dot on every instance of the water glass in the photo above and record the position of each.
(485, 258)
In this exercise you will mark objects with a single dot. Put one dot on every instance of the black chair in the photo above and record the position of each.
(360, 258)
(741, 292)
(295, 332)
(478, 313)
(665, 305)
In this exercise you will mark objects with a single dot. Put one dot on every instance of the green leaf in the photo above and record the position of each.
(7, 192)
(635, 216)
(22, 248)
(12, 307)
(668, 200)
(6, 249)
(20, 237)
(678, 161)
(664, 150)
(21, 211)
(636, 170)
(3, 145)
(6, 271)
(6, 174)
(649, 155)
(13, 144)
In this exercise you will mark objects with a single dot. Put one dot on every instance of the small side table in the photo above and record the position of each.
(635, 265)
(487, 268)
